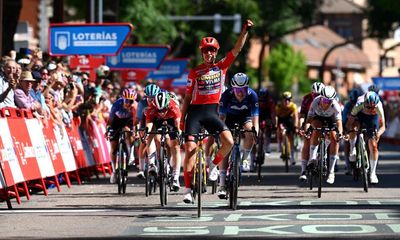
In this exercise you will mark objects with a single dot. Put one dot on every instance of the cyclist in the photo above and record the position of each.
(239, 104)
(165, 109)
(199, 107)
(353, 96)
(267, 116)
(368, 113)
(305, 107)
(325, 110)
(123, 111)
(287, 117)
(149, 92)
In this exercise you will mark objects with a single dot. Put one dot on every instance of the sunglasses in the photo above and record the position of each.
(209, 49)
(326, 101)
(128, 101)
(370, 107)
(110, 88)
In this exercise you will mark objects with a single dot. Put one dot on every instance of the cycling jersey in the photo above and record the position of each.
(283, 111)
(205, 82)
(334, 111)
(359, 107)
(306, 103)
(172, 112)
(266, 106)
(229, 105)
(346, 111)
(120, 116)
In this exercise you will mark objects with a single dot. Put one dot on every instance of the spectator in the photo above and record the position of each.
(22, 97)
(8, 82)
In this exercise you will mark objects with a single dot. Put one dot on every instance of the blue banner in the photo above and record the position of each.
(387, 83)
(171, 68)
(180, 82)
(87, 39)
(138, 57)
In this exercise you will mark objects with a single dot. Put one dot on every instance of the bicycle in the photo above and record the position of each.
(234, 165)
(260, 152)
(165, 170)
(122, 159)
(319, 171)
(362, 159)
(150, 179)
(214, 150)
(199, 181)
(286, 149)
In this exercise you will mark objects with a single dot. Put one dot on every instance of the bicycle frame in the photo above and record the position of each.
(320, 170)
(121, 162)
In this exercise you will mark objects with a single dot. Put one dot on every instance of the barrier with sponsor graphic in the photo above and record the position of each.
(37, 153)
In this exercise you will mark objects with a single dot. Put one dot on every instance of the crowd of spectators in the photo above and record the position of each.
(51, 90)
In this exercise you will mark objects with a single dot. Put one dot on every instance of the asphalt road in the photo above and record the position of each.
(277, 207)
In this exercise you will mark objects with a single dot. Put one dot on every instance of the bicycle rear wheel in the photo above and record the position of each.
(119, 172)
(260, 154)
(147, 189)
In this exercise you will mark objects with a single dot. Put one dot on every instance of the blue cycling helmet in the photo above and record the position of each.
(373, 88)
(151, 90)
(354, 94)
(371, 98)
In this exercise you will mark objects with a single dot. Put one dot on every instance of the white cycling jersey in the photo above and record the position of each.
(333, 111)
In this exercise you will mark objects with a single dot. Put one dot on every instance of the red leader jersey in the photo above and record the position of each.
(152, 113)
(205, 82)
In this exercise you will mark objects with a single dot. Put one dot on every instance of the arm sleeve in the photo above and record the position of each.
(227, 61)
(223, 104)
(255, 111)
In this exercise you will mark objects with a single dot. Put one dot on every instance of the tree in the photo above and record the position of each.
(285, 67)
(278, 18)
(10, 12)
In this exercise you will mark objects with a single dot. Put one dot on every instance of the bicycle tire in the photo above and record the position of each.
(119, 172)
(260, 154)
(364, 159)
(199, 183)
(321, 167)
(162, 177)
(286, 152)
(147, 183)
(236, 178)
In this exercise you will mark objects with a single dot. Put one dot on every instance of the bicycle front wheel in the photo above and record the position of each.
(321, 167)
(199, 183)
(364, 165)
(286, 152)
(236, 178)
(163, 182)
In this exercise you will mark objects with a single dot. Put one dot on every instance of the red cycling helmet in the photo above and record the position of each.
(129, 94)
(209, 42)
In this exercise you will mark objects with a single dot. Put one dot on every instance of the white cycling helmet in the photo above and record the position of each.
(317, 87)
(328, 92)
(162, 100)
(240, 80)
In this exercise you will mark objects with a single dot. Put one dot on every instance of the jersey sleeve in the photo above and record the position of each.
(311, 111)
(190, 82)
(357, 108)
(227, 61)
(255, 111)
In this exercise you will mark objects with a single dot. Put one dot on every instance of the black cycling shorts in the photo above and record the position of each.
(288, 122)
(230, 120)
(330, 122)
(171, 126)
(203, 115)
